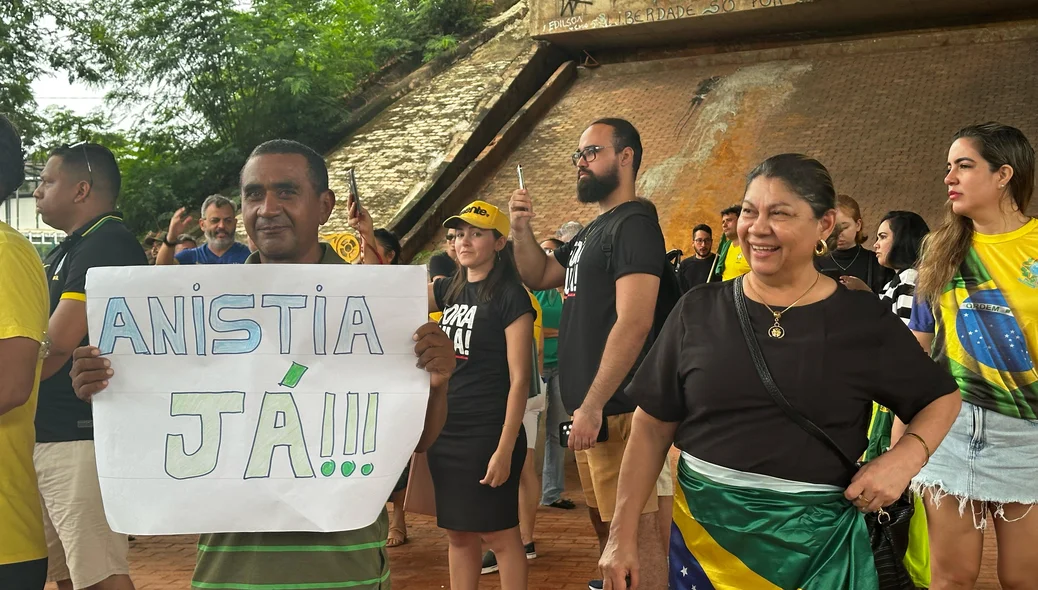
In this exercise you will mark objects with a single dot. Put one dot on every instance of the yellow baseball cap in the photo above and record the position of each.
(482, 215)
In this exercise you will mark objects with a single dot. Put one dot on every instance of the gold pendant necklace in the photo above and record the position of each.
(777, 331)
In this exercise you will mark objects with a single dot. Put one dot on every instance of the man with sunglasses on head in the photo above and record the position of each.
(611, 272)
(77, 193)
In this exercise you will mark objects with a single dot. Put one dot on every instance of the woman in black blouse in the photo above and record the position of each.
(761, 503)
(850, 259)
(476, 461)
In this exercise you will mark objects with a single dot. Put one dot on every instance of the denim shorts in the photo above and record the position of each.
(986, 457)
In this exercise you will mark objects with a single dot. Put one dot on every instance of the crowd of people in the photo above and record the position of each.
(807, 380)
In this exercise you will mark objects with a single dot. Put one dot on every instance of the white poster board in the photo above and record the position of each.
(255, 398)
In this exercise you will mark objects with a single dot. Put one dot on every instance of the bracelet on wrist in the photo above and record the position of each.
(926, 447)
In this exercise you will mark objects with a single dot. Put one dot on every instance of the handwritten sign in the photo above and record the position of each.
(255, 398)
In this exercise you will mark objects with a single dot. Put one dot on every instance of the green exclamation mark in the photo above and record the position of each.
(293, 376)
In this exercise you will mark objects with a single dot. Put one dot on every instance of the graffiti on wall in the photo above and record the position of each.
(571, 6)
(577, 15)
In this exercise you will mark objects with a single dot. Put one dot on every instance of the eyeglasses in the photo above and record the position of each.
(588, 154)
(450, 237)
(86, 156)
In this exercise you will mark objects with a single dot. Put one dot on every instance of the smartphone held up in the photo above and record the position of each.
(354, 195)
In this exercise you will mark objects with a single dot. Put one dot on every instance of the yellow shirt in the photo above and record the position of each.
(538, 324)
(735, 264)
(24, 311)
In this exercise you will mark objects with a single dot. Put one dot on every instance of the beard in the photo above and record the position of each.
(220, 242)
(595, 189)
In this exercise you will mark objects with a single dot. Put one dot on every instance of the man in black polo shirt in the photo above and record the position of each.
(77, 194)
(610, 303)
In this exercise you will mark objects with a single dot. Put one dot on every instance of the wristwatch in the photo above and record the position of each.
(165, 240)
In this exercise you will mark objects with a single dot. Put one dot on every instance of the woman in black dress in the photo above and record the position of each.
(850, 259)
(476, 461)
(760, 502)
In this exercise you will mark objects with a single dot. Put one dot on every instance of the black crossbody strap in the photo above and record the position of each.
(769, 383)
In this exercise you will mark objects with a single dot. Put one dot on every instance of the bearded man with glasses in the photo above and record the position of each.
(611, 274)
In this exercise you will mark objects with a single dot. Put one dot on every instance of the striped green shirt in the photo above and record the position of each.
(354, 560)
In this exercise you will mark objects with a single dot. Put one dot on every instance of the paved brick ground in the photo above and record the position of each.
(566, 547)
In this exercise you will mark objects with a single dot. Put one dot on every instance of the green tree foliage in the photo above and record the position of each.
(41, 36)
(211, 79)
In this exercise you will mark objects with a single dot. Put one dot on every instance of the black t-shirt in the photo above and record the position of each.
(478, 388)
(104, 241)
(589, 311)
(694, 271)
(858, 262)
(837, 357)
(441, 265)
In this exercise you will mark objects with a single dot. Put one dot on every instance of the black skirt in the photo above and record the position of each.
(458, 461)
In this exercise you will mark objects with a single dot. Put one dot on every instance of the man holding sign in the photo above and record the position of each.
(285, 199)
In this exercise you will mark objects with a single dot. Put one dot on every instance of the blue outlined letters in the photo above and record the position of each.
(252, 329)
(237, 324)
(120, 323)
(357, 323)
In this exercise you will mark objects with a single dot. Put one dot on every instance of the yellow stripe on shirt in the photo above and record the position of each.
(74, 296)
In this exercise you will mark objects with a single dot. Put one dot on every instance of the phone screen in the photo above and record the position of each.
(354, 195)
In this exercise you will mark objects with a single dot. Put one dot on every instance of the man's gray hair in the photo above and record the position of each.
(568, 230)
(220, 201)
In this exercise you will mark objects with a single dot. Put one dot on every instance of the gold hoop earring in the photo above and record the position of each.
(821, 248)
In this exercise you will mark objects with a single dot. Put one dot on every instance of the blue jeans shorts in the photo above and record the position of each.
(987, 457)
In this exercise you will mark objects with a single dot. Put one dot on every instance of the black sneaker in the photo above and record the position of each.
(489, 563)
(490, 560)
(595, 585)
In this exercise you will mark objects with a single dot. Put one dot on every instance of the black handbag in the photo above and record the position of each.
(888, 528)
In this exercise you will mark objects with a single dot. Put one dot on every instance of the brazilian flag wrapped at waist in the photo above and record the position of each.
(740, 531)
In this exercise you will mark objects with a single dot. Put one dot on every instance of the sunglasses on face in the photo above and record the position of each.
(450, 237)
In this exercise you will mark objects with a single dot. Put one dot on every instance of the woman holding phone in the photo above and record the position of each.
(477, 460)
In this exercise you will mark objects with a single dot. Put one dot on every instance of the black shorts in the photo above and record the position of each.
(24, 575)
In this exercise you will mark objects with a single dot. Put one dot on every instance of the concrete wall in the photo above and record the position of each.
(550, 17)
(878, 112)
(405, 148)
(598, 24)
